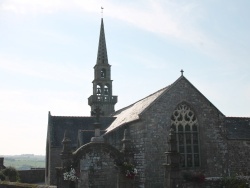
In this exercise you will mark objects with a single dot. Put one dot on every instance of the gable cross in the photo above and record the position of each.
(182, 72)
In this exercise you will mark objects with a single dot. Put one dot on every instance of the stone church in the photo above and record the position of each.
(149, 143)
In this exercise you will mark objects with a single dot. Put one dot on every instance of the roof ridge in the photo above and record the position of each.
(238, 117)
(84, 116)
(167, 89)
(122, 109)
(201, 94)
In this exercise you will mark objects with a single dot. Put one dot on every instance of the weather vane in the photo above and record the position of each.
(102, 11)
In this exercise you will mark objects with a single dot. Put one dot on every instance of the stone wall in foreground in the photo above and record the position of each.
(32, 176)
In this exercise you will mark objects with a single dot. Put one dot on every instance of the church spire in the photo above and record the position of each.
(102, 56)
(102, 96)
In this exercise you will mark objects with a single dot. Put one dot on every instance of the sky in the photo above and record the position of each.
(48, 49)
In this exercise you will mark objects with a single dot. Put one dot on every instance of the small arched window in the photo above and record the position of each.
(184, 122)
(98, 90)
(103, 73)
(106, 90)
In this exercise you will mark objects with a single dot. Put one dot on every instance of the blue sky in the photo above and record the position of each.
(48, 49)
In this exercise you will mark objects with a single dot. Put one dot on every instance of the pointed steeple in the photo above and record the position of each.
(102, 56)
(102, 84)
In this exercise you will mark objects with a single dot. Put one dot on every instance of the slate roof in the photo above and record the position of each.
(132, 112)
(237, 128)
(58, 125)
(84, 136)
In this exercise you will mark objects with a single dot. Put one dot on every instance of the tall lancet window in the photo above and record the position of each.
(185, 123)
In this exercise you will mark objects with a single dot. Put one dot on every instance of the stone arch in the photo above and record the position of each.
(95, 163)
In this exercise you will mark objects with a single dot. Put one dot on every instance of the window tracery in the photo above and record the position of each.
(184, 122)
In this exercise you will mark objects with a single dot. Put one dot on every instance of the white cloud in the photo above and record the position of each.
(173, 19)
(176, 21)
(27, 7)
(24, 111)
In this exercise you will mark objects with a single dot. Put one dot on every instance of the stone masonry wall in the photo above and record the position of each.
(136, 132)
(32, 176)
(157, 123)
(149, 137)
(55, 161)
(97, 167)
(238, 160)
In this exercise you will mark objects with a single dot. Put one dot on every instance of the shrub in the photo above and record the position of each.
(234, 182)
(196, 177)
(2, 176)
(11, 173)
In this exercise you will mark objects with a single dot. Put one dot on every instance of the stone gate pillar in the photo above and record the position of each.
(127, 181)
(66, 157)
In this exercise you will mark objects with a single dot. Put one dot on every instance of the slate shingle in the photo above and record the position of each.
(237, 128)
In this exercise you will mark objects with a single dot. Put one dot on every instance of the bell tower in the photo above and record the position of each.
(102, 84)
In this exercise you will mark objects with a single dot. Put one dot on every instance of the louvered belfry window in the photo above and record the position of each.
(185, 124)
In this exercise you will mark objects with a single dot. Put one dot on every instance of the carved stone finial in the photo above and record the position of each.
(97, 138)
(66, 138)
(66, 142)
(66, 151)
(125, 141)
(125, 134)
(172, 161)
(97, 112)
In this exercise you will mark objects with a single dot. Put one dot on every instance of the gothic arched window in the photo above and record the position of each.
(184, 122)
(103, 73)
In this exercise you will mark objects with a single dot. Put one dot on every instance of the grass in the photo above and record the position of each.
(21, 185)
(17, 184)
